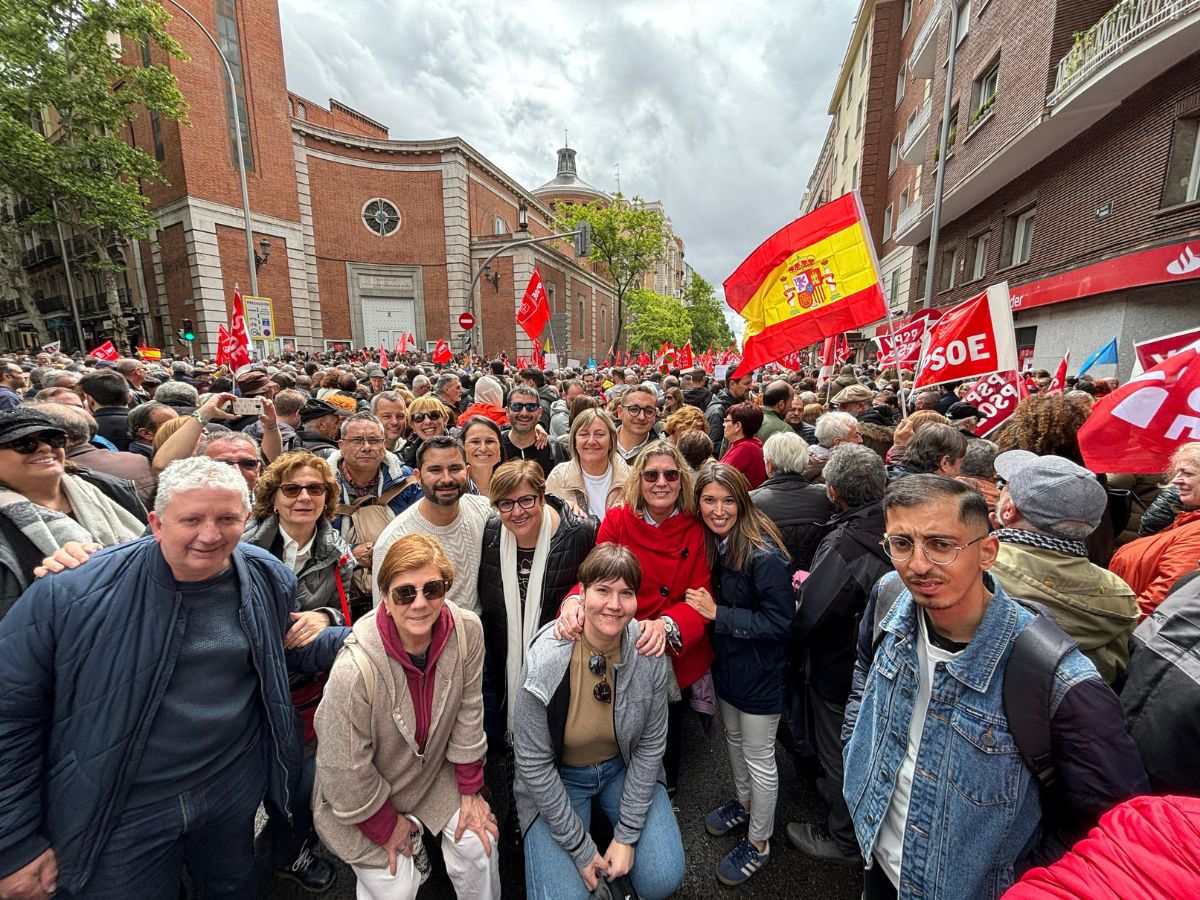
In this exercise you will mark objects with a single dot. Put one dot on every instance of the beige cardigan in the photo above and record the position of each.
(367, 751)
(566, 481)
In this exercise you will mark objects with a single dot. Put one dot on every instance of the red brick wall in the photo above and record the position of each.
(177, 276)
(273, 278)
(497, 309)
(879, 120)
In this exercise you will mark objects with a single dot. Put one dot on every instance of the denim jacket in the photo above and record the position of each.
(975, 811)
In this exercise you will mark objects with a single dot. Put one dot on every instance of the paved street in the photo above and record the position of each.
(707, 782)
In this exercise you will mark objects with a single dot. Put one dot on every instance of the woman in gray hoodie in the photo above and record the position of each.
(591, 722)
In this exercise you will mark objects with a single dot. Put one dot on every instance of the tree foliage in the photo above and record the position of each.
(628, 240)
(67, 95)
(654, 318)
(708, 315)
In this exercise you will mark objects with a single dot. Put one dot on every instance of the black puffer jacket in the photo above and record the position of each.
(715, 416)
(572, 542)
(800, 511)
(699, 397)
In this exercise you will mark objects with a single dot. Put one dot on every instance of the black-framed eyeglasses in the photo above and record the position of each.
(246, 463)
(650, 476)
(598, 666)
(291, 489)
(364, 441)
(529, 501)
(640, 412)
(406, 594)
(434, 414)
(29, 444)
(524, 407)
(939, 551)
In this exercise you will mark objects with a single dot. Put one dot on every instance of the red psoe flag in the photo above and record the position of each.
(383, 360)
(534, 313)
(442, 354)
(239, 332)
(970, 340)
(812, 279)
(685, 356)
(223, 341)
(996, 397)
(1138, 426)
(105, 351)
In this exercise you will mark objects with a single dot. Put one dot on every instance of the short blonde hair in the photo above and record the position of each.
(428, 404)
(412, 552)
(583, 420)
(633, 485)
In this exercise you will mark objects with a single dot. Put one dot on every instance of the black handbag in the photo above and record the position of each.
(617, 889)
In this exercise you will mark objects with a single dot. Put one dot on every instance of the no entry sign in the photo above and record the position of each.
(466, 321)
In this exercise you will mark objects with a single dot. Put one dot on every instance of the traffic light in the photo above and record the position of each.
(583, 240)
(188, 333)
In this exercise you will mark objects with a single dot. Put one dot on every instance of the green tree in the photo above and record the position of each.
(708, 315)
(68, 92)
(654, 318)
(627, 241)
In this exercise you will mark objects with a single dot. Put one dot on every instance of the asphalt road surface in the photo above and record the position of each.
(706, 783)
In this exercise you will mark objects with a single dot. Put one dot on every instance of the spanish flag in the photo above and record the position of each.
(812, 279)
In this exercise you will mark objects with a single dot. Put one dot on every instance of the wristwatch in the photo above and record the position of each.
(674, 638)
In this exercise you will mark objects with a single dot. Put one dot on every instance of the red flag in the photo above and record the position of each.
(643, 358)
(1028, 385)
(223, 340)
(970, 340)
(522, 363)
(105, 351)
(1150, 353)
(900, 344)
(402, 344)
(442, 353)
(234, 355)
(535, 311)
(241, 356)
(793, 361)
(383, 360)
(1138, 426)
(684, 360)
(539, 355)
(996, 396)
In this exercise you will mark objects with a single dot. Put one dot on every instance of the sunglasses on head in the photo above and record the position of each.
(435, 415)
(406, 594)
(248, 463)
(652, 475)
(524, 407)
(29, 444)
(291, 489)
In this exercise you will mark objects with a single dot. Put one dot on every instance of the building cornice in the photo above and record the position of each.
(866, 13)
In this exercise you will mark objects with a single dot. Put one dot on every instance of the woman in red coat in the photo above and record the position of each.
(742, 421)
(657, 522)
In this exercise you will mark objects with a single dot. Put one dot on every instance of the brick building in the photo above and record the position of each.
(368, 237)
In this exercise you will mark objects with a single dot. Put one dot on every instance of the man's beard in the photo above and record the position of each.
(442, 500)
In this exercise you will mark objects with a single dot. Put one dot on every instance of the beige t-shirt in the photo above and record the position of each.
(589, 737)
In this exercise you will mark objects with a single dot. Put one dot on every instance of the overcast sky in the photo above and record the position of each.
(716, 109)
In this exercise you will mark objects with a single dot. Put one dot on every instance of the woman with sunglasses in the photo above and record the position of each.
(481, 439)
(401, 737)
(294, 502)
(427, 417)
(657, 522)
(751, 608)
(595, 475)
(591, 724)
(45, 504)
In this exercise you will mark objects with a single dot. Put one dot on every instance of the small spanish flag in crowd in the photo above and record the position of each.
(812, 279)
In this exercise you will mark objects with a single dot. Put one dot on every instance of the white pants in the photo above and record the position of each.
(474, 874)
(751, 741)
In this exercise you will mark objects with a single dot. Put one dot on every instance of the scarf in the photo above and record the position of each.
(1042, 541)
(522, 622)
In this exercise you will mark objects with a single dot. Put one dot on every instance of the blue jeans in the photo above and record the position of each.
(658, 866)
(208, 829)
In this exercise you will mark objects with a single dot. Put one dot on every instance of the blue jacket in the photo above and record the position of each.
(85, 657)
(755, 610)
(975, 811)
(391, 472)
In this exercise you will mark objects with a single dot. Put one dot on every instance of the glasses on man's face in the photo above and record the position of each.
(640, 412)
(374, 442)
(434, 415)
(526, 502)
(524, 407)
(29, 444)
(406, 594)
(292, 490)
(598, 666)
(939, 551)
(246, 463)
(650, 476)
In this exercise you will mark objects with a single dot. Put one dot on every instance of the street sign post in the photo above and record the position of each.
(260, 318)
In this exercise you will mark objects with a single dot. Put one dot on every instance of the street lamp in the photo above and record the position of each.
(522, 216)
(261, 260)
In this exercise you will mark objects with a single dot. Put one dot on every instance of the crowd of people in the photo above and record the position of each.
(440, 617)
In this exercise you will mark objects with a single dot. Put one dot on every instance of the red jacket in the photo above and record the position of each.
(746, 456)
(1150, 565)
(673, 559)
(1148, 848)
(495, 413)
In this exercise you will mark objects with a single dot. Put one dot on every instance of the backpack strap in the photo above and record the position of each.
(349, 509)
(359, 655)
(1028, 691)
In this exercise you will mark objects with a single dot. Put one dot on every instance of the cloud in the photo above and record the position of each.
(717, 110)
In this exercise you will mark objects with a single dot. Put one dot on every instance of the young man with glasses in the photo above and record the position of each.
(636, 416)
(520, 441)
(936, 784)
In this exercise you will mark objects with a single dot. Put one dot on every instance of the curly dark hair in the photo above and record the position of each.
(283, 468)
(1045, 424)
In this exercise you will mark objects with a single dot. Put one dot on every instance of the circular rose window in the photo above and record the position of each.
(381, 216)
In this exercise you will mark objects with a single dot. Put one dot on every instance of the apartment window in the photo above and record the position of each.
(1018, 236)
(850, 87)
(862, 55)
(906, 18)
(499, 226)
(845, 146)
(156, 132)
(894, 155)
(964, 20)
(1183, 168)
(894, 287)
(858, 118)
(983, 90)
(854, 176)
(603, 323)
(903, 201)
(887, 222)
(228, 38)
(949, 268)
(580, 300)
(979, 254)
(550, 297)
(901, 84)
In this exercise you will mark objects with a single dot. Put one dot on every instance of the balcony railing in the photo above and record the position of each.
(924, 52)
(11, 308)
(912, 150)
(50, 305)
(43, 252)
(1122, 26)
(908, 218)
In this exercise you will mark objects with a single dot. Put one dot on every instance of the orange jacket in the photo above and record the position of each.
(1150, 565)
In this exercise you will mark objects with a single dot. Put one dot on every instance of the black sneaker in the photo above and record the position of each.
(817, 842)
(311, 872)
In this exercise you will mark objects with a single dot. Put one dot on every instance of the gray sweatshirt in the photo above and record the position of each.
(640, 723)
